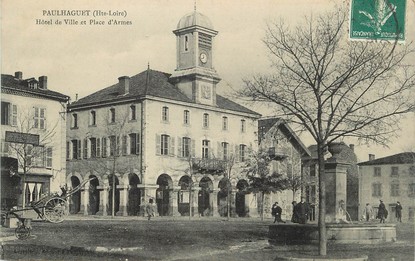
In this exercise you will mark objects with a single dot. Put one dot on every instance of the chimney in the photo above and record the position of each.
(351, 146)
(18, 75)
(43, 82)
(371, 156)
(124, 85)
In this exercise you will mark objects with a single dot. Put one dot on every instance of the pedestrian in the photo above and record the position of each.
(294, 217)
(398, 211)
(150, 209)
(368, 211)
(302, 210)
(382, 212)
(276, 212)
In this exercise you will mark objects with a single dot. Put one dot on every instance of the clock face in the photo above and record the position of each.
(203, 57)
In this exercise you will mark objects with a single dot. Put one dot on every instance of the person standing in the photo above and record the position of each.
(382, 212)
(276, 211)
(150, 209)
(294, 217)
(368, 211)
(398, 211)
(302, 210)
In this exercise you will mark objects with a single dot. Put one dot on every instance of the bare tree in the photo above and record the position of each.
(334, 88)
(29, 155)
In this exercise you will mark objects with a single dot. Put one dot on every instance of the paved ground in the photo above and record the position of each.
(81, 238)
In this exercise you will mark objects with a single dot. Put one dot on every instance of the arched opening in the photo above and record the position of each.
(134, 195)
(116, 194)
(240, 204)
(93, 195)
(75, 203)
(163, 194)
(224, 186)
(206, 186)
(183, 198)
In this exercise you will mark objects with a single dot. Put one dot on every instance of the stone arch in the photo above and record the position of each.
(240, 204)
(75, 198)
(94, 197)
(183, 197)
(204, 198)
(134, 195)
(224, 186)
(163, 194)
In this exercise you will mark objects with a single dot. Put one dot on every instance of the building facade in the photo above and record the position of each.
(288, 154)
(29, 109)
(390, 179)
(161, 136)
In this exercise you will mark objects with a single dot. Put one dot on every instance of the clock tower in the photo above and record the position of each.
(194, 74)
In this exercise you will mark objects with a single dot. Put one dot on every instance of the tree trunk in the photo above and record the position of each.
(322, 202)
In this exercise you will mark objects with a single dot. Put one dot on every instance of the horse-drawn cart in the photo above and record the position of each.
(52, 208)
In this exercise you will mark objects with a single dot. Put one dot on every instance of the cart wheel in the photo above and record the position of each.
(22, 232)
(55, 210)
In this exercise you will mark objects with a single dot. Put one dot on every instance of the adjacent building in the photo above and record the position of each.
(163, 136)
(390, 179)
(33, 151)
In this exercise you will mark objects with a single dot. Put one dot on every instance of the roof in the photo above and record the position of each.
(12, 85)
(194, 18)
(150, 83)
(264, 125)
(400, 158)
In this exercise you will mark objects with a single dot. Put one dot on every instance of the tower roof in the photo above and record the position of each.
(194, 18)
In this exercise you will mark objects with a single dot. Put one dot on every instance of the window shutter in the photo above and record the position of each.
(124, 145)
(193, 144)
(220, 150)
(171, 144)
(68, 151)
(79, 150)
(85, 148)
(13, 119)
(158, 144)
(98, 147)
(179, 147)
(117, 146)
(49, 157)
(104, 147)
(237, 153)
(36, 118)
(42, 118)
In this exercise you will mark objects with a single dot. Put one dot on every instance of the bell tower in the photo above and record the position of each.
(195, 75)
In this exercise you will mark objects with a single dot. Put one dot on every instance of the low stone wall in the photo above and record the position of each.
(336, 233)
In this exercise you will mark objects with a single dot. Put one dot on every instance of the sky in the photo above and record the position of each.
(81, 59)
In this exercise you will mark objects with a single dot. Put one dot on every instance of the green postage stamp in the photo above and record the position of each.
(378, 20)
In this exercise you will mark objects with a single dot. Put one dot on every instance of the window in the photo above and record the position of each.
(68, 150)
(76, 149)
(394, 172)
(165, 114)
(48, 157)
(411, 190)
(186, 117)
(133, 115)
(124, 145)
(104, 147)
(85, 148)
(98, 154)
(224, 123)
(74, 120)
(186, 43)
(164, 144)
(93, 118)
(376, 190)
(112, 115)
(8, 114)
(377, 172)
(225, 150)
(186, 143)
(113, 145)
(134, 143)
(93, 142)
(242, 151)
(205, 120)
(243, 126)
(205, 149)
(39, 118)
(313, 170)
(395, 189)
